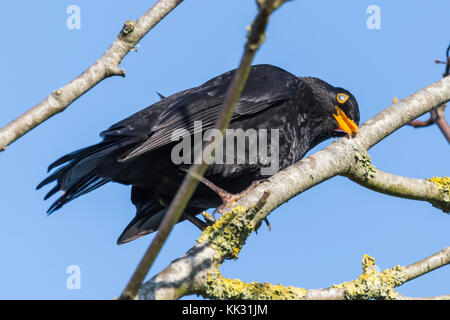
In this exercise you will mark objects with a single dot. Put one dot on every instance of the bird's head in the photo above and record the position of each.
(335, 110)
(345, 112)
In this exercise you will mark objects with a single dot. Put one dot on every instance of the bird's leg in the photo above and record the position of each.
(227, 198)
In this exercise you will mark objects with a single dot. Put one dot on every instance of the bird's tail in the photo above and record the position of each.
(77, 173)
(147, 220)
(149, 214)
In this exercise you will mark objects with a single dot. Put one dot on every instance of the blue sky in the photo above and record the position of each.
(317, 239)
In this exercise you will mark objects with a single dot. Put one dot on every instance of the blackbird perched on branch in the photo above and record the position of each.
(140, 149)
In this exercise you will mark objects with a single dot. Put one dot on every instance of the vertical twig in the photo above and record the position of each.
(437, 115)
(255, 37)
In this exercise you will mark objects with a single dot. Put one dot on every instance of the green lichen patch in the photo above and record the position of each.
(228, 234)
(364, 161)
(219, 287)
(372, 284)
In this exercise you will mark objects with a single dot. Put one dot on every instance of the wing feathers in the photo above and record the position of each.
(266, 87)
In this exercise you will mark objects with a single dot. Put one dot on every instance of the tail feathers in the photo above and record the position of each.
(70, 156)
(147, 220)
(149, 214)
(96, 150)
(86, 185)
(78, 176)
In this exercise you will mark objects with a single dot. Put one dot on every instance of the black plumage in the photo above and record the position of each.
(137, 150)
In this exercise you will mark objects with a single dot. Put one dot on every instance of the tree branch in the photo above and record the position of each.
(437, 115)
(224, 239)
(105, 67)
(421, 124)
(380, 285)
(371, 284)
(429, 264)
(365, 174)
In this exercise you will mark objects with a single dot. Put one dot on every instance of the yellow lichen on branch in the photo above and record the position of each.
(372, 284)
(443, 185)
(368, 263)
(218, 287)
(228, 234)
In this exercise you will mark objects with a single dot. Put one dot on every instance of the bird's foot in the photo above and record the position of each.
(228, 199)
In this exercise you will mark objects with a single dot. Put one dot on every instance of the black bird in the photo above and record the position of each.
(137, 151)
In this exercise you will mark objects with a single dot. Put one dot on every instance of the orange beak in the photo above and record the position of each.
(345, 123)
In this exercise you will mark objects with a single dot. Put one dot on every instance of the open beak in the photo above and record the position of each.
(345, 123)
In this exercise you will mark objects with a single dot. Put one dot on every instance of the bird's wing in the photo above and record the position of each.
(139, 125)
(266, 87)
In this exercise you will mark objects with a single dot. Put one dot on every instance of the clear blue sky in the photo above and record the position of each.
(316, 240)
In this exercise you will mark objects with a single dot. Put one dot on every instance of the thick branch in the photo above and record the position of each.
(194, 277)
(338, 158)
(105, 67)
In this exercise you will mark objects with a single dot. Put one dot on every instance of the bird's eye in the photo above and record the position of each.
(342, 97)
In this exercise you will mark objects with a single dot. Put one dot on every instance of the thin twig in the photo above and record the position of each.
(421, 124)
(255, 38)
(437, 115)
(107, 66)
(439, 118)
(428, 264)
